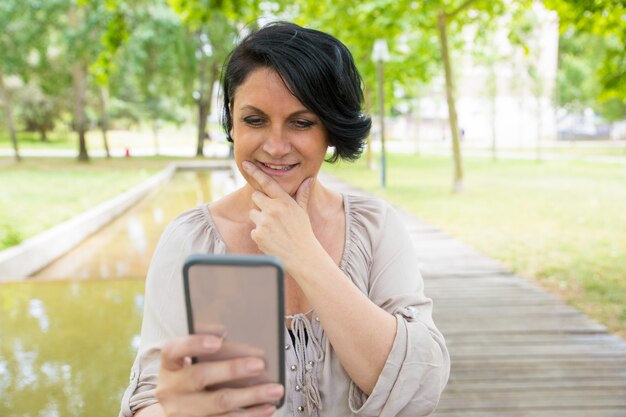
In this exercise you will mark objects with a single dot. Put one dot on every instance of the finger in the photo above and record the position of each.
(265, 410)
(303, 193)
(206, 374)
(255, 215)
(260, 199)
(231, 400)
(265, 182)
(174, 352)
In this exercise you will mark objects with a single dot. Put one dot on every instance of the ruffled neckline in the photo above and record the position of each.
(347, 244)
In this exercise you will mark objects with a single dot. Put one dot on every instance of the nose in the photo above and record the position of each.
(277, 143)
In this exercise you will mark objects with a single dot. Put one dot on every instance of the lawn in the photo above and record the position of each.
(560, 223)
(39, 193)
(168, 136)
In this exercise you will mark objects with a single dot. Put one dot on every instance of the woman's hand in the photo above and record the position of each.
(283, 228)
(185, 390)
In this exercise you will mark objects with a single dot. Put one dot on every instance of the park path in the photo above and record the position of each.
(516, 350)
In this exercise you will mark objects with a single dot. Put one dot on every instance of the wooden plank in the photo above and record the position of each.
(516, 350)
(540, 398)
(551, 384)
(534, 350)
(504, 340)
(550, 412)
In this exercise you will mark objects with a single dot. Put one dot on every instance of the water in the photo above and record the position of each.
(123, 249)
(68, 337)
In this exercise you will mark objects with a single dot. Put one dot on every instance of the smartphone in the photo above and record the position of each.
(240, 299)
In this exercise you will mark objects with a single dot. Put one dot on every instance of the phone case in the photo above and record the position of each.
(239, 298)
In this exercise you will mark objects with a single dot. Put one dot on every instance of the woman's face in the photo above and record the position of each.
(273, 130)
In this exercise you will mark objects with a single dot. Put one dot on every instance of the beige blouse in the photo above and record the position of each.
(378, 257)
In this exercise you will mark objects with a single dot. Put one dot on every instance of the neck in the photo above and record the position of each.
(320, 198)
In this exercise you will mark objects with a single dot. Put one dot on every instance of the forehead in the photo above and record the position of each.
(264, 88)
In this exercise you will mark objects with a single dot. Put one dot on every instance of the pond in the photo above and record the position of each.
(69, 335)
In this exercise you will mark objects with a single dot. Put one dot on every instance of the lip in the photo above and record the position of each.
(278, 170)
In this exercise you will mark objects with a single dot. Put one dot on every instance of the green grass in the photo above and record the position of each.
(573, 150)
(561, 223)
(39, 193)
(30, 140)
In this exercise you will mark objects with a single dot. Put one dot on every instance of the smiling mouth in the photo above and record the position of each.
(278, 167)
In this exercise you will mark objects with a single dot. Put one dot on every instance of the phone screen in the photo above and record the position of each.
(238, 298)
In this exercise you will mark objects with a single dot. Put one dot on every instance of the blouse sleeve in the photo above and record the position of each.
(418, 366)
(164, 314)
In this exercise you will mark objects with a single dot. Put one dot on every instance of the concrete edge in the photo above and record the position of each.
(33, 254)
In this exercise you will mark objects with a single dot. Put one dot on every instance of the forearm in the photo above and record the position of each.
(360, 332)
(154, 410)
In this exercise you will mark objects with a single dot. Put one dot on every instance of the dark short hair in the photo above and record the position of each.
(318, 70)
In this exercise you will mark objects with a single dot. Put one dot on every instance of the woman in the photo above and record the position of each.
(361, 340)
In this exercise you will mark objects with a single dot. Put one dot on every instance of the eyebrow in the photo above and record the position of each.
(256, 109)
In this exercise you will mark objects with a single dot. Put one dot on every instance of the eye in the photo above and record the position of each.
(302, 123)
(253, 121)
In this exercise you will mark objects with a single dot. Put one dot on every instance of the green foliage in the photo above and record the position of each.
(38, 111)
(580, 56)
(155, 66)
(413, 53)
(605, 21)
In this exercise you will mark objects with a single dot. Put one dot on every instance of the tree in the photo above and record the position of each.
(602, 23)
(413, 52)
(86, 24)
(487, 53)
(527, 33)
(17, 36)
(423, 23)
(154, 67)
(459, 15)
(38, 110)
(214, 27)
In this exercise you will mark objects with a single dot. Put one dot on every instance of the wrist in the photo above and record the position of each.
(306, 268)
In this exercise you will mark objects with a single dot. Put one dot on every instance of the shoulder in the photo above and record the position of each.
(375, 221)
(370, 212)
(193, 229)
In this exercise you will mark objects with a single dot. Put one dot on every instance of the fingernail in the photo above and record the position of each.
(210, 343)
(275, 391)
(254, 365)
(268, 410)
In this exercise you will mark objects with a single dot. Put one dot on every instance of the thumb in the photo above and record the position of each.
(302, 195)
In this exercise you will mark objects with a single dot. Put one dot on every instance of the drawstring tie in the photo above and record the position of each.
(306, 376)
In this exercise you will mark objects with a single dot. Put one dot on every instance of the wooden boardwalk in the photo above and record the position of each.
(516, 350)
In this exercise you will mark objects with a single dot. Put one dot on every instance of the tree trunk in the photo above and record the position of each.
(204, 103)
(368, 110)
(203, 112)
(104, 118)
(381, 114)
(493, 95)
(442, 23)
(43, 134)
(414, 123)
(155, 135)
(79, 77)
(79, 80)
(202, 109)
(539, 127)
(8, 113)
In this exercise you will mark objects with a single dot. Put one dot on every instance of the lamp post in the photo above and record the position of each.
(380, 54)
